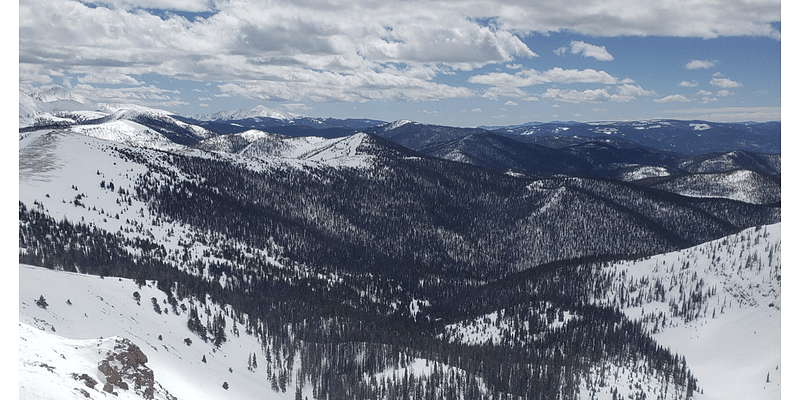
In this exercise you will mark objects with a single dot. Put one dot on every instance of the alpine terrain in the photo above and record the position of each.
(261, 255)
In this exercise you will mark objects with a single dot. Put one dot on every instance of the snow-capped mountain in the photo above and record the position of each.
(351, 266)
(56, 106)
(258, 111)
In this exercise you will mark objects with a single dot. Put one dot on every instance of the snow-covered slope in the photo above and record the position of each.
(258, 111)
(719, 305)
(87, 315)
(307, 150)
(128, 133)
(743, 185)
(52, 367)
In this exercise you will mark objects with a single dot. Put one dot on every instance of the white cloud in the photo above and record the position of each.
(574, 96)
(724, 93)
(673, 98)
(704, 93)
(172, 5)
(732, 114)
(724, 83)
(496, 92)
(356, 51)
(111, 78)
(510, 103)
(633, 91)
(625, 93)
(688, 84)
(556, 75)
(700, 64)
(590, 50)
(706, 18)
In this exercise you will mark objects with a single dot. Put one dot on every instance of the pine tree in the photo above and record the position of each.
(42, 303)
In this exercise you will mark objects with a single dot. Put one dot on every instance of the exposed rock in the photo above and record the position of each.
(125, 366)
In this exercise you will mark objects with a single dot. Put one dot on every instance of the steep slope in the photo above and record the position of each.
(742, 185)
(53, 367)
(356, 271)
(719, 305)
(88, 316)
(716, 305)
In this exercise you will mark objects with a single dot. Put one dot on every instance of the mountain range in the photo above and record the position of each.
(386, 260)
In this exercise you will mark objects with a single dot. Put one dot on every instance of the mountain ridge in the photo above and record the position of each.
(353, 266)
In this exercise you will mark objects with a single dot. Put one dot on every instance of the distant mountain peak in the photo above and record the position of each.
(258, 111)
(56, 93)
(396, 124)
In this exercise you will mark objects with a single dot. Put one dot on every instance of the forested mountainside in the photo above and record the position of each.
(358, 253)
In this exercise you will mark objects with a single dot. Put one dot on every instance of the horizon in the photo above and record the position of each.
(455, 64)
(208, 115)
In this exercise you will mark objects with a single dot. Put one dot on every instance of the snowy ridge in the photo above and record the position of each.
(718, 304)
(397, 124)
(258, 111)
(128, 133)
(234, 143)
(311, 150)
(743, 185)
(644, 172)
(85, 312)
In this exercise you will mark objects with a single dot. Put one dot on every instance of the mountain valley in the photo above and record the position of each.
(395, 260)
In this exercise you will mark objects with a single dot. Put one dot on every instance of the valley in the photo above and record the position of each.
(394, 261)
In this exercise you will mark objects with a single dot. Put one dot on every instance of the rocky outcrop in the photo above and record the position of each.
(124, 368)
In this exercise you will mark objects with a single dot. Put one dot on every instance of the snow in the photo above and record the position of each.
(312, 151)
(129, 133)
(741, 185)
(397, 124)
(258, 111)
(700, 127)
(104, 310)
(644, 172)
(731, 342)
(607, 131)
(736, 341)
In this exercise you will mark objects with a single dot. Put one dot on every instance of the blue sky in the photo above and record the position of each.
(459, 62)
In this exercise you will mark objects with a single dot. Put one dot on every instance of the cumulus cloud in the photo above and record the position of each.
(673, 98)
(625, 93)
(386, 51)
(688, 84)
(508, 85)
(588, 50)
(724, 82)
(530, 77)
(510, 103)
(296, 51)
(700, 64)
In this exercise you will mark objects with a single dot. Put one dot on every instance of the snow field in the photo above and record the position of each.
(105, 308)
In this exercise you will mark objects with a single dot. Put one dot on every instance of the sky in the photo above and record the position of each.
(456, 62)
